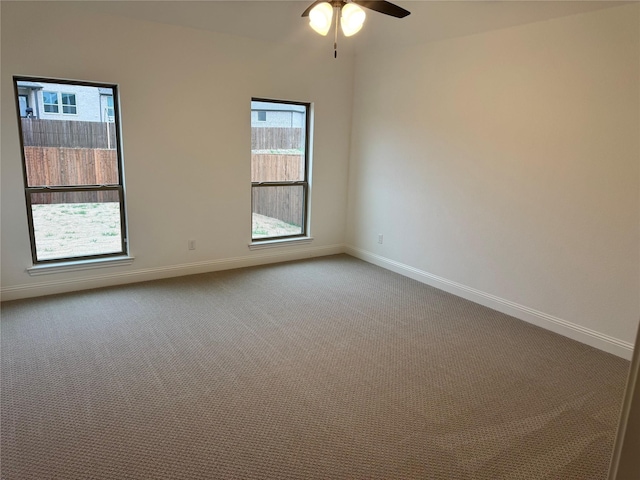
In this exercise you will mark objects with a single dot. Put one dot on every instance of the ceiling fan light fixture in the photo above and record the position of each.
(320, 18)
(352, 19)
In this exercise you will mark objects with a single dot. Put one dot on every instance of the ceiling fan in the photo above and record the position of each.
(351, 16)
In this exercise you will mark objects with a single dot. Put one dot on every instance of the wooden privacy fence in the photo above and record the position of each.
(68, 133)
(283, 203)
(273, 138)
(72, 134)
(61, 166)
(71, 167)
(277, 168)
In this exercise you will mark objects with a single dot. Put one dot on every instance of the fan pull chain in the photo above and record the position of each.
(335, 38)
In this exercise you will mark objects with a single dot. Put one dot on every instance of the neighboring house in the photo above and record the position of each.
(268, 114)
(61, 101)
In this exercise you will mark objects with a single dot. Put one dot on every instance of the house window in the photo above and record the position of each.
(69, 103)
(73, 179)
(262, 116)
(50, 101)
(110, 110)
(107, 111)
(23, 102)
(279, 172)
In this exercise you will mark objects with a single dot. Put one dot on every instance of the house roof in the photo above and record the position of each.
(32, 85)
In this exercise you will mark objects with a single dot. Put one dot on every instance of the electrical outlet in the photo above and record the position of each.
(380, 239)
(192, 244)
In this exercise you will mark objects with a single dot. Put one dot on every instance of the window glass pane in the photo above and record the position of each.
(73, 150)
(110, 109)
(278, 144)
(22, 99)
(68, 99)
(76, 224)
(262, 116)
(277, 211)
(50, 97)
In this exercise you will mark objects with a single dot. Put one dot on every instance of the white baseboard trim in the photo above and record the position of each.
(549, 322)
(38, 289)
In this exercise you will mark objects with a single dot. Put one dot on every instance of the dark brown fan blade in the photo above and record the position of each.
(306, 12)
(387, 8)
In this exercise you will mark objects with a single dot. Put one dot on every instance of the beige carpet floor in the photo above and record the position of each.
(327, 368)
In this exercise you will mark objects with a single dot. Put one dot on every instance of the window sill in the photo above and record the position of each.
(46, 269)
(283, 242)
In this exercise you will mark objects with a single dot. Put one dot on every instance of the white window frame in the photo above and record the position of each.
(45, 104)
(74, 105)
(110, 114)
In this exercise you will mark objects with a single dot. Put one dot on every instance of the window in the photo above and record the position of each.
(73, 179)
(106, 107)
(50, 101)
(110, 110)
(69, 103)
(279, 171)
(23, 102)
(262, 116)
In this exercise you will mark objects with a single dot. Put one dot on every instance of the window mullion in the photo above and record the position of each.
(278, 184)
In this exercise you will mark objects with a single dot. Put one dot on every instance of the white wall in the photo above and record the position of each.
(504, 167)
(185, 104)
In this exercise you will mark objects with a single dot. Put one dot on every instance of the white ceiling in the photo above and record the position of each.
(281, 21)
